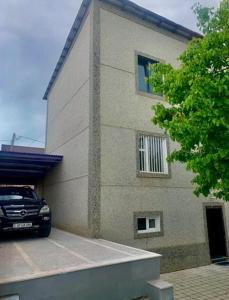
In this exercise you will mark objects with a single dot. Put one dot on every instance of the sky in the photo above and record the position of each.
(32, 35)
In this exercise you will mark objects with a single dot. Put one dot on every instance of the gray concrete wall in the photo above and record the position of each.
(66, 187)
(114, 282)
(124, 112)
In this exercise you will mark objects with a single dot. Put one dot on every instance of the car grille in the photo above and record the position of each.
(20, 212)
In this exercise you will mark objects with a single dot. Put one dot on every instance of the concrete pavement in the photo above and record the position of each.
(67, 266)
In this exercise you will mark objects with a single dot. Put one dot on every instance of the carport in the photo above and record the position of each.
(25, 168)
(67, 266)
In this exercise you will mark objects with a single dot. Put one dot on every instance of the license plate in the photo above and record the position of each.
(22, 225)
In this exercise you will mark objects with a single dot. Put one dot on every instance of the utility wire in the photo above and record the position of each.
(24, 137)
(28, 138)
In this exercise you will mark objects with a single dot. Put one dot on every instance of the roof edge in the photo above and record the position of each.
(132, 8)
(68, 43)
(34, 155)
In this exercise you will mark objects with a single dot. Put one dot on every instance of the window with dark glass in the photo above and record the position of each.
(143, 73)
(152, 223)
(141, 223)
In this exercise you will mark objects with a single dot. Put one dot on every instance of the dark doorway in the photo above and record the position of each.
(216, 232)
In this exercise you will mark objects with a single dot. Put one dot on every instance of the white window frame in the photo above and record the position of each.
(150, 141)
(157, 227)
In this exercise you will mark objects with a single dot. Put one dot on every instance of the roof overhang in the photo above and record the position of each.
(125, 5)
(25, 168)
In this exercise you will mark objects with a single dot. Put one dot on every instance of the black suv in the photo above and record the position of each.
(21, 209)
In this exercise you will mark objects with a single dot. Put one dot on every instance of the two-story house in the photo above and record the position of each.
(114, 181)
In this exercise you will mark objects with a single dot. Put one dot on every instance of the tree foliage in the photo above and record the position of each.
(196, 114)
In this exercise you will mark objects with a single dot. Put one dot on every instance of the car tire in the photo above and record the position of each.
(45, 232)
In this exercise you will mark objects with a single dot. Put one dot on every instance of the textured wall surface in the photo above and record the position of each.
(94, 114)
(124, 111)
(66, 187)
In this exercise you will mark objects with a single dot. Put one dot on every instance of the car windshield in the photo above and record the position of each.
(17, 194)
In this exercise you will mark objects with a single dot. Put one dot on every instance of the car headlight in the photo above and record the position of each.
(45, 210)
(1, 213)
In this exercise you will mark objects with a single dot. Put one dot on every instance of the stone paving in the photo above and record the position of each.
(204, 283)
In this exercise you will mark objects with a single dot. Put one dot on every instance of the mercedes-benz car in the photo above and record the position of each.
(22, 209)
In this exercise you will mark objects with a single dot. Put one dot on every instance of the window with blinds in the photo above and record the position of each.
(152, 154)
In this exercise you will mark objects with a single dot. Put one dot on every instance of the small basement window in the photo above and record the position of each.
(143, 73)
(149, 224)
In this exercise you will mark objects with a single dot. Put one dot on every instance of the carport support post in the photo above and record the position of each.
(160, 290)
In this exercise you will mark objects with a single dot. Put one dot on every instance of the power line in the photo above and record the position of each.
(16, 138)
(28, 138)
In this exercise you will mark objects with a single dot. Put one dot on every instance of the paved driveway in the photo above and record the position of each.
(64, 265)
(203, 283)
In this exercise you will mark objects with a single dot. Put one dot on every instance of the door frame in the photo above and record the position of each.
(210, 205)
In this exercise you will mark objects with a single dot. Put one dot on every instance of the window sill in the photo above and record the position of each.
(150, 95)
(148, 231)
(152, 175)
(145, 235)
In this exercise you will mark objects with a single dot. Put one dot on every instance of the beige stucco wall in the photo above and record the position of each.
(124, 112)
(66, 187)
(80, 189)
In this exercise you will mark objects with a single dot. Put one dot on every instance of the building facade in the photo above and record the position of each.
(114, 181)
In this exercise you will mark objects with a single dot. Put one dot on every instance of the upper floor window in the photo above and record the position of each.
(153, 154)
(143, 73)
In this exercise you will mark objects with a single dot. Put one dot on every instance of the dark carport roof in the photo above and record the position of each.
(25, 168)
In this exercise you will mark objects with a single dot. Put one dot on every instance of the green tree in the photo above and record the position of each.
(196, 114)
